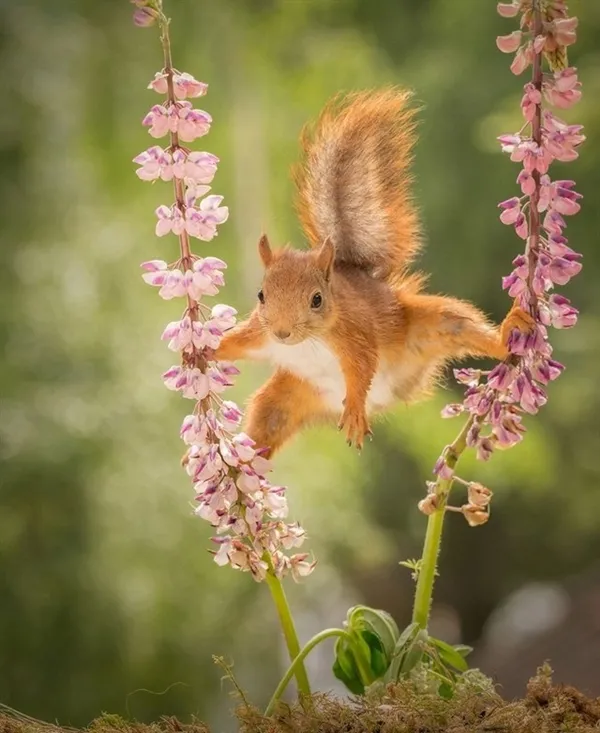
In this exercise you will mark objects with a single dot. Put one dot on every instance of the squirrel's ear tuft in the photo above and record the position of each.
(264, 250)
(326, 256)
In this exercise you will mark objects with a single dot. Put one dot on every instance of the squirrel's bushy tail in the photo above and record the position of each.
(354, 182)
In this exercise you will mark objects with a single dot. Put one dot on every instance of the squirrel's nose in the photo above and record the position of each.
(282, 335)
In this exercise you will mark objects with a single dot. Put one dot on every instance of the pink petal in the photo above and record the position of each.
(154, 265)
(509, 43)
(508, 10)
(522, 60)
(159, 83)
(163, 226)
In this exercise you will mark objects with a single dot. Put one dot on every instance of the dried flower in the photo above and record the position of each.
(479, 495)
(428, 505)
(474, 515)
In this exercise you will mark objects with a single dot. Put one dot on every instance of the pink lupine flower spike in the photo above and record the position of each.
(227, 471)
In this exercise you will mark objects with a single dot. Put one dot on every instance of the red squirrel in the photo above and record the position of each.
(348, 329)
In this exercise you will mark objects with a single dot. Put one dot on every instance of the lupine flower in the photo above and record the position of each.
(523, 59)
(155, 163)
(562, 31)
(180, 118)
(187, 122)
(194, 167)
(564, 90)
(198, 221)
(496, 401)
(531, 99)
(184, 85)
(157, 120)
(227, 470)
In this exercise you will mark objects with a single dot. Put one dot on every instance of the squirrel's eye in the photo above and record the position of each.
(261, 296)
(317, 301)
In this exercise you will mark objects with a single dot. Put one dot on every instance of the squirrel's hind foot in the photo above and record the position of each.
(516, 319)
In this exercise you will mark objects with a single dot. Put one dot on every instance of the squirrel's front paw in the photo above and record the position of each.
(354, 421)
(516, 319)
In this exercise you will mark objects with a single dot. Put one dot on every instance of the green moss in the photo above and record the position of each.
(475, 708)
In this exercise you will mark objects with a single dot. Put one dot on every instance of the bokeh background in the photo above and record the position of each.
(108, 598)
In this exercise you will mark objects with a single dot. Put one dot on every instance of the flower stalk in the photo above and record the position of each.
(288, 627)
(433, 534)
(298, 662)
(531, 248)
(178, 183)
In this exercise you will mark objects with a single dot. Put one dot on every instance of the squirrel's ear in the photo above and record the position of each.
(325, 257)
(264, 250)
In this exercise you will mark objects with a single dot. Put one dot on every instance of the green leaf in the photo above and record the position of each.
(379, 661)
(450, 655)
(442, 677)
(345, 667)
(414, 653)
(363, 645)
(463, 649)
(446, 691)
(345, 658)
(360, 618)
(408, 652)
(400, 650)
(352, 682)
(407, 635)
(414, 566)
(383, 624)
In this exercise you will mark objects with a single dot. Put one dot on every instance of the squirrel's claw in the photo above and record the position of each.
(356, 424)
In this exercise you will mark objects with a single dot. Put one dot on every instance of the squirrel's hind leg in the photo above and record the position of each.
(447, 328)
(280, 408)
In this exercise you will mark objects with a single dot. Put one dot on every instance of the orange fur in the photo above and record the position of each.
(280, 408)
(349, 331)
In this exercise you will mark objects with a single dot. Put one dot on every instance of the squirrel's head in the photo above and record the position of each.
(294, 302)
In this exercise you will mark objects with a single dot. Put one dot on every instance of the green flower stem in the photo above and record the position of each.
(433, 536)
(288, 628)
(309, 646)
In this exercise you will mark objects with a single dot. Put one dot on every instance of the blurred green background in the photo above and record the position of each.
(107, 593)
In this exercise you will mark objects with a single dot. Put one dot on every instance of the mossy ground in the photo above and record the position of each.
(546, 708)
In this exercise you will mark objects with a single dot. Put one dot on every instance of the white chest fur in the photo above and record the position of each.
(315, 361)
